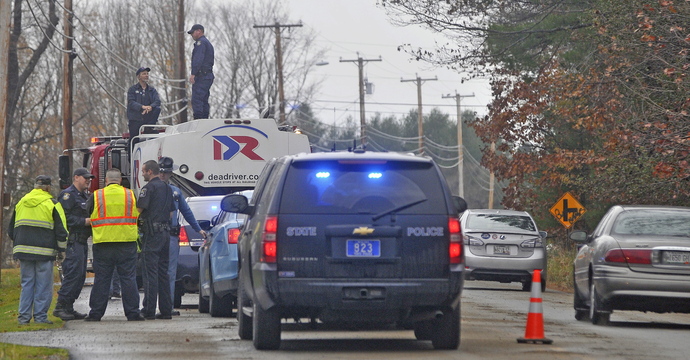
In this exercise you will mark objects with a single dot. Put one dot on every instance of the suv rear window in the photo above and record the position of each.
(362, 187)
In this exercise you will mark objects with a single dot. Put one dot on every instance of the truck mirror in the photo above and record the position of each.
(64, 170)
(235, 203)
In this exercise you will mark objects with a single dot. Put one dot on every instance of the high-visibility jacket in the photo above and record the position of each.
(114, 216)
(38, 227)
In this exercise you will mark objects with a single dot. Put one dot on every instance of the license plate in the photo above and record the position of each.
(501, 250)
(363, 248)
(676, 258)
(196, 243)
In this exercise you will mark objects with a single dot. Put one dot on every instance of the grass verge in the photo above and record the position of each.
(10, 289)
(560, 267)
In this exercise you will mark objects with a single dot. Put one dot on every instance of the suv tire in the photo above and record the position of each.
(266, 328)
(219, 306)
(446, 330)
(244, 322)
(203, 304)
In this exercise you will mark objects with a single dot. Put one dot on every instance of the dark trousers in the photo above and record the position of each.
(155, 254)
(109, 257)
(74, 272)
(134, 125)
(201, 91)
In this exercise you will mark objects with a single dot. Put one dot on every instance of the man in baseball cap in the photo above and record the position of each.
(143, 103)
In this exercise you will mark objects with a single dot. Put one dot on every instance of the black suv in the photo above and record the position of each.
(354, 238)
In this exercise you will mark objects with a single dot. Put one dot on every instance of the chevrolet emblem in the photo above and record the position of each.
(363, 230)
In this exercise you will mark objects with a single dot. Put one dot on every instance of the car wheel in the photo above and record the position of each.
(423, 330)
(543, 285)
(244, 322)
(177, 299)
(526, 286)
(219, 306)
(445, 333)
(203, 304)
(266, 326)
(595, 311)
(581, 308)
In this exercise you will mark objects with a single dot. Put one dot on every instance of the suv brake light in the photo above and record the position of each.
(269, 246)
(455, 249)
(233, 235)
(184, 239)
(629, 256)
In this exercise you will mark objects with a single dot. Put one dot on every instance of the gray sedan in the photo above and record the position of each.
(637, 258)
(503, 246)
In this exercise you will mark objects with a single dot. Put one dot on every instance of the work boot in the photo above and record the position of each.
(77, 315)
(62, 311)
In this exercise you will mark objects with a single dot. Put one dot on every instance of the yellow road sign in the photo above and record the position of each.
(567, 210)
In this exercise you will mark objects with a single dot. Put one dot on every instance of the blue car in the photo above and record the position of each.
(187, 279)
(218, 264)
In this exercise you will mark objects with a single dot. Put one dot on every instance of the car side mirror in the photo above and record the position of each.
(236, 203)
(460, 204)
(205, 225)
(578, 236)
(543, 234)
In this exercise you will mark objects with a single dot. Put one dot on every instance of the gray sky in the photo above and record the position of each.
(346, 27)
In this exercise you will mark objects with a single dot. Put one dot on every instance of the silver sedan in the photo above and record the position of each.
(503, 246)
(637, 258)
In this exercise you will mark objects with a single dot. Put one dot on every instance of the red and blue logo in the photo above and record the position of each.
(227, 147)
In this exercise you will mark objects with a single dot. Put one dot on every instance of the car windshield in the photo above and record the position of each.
(499, 222)
(203, 210)
(333, 187)
(653, 222)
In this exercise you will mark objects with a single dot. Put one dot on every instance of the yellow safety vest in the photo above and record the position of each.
(114, 216)
(36, 209)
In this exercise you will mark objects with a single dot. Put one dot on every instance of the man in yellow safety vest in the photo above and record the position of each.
(114, 225)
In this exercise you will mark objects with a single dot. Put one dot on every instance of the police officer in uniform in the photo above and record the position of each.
(73, 201)
(113, 212)
(166, 168)
(202, 72)
(39, 230)
(155, 205)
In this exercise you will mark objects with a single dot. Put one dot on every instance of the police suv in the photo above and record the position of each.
(356, 238)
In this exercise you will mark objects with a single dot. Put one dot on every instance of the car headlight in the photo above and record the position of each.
(472, 241)
(533, 243)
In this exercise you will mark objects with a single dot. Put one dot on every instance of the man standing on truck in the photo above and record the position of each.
(73, 201)
(143, 103)
(39, 231)
(202, 72)
(113, 216)
(155, 204)
(166, 168)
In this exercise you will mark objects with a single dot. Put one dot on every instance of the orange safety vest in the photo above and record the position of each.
(114, 216)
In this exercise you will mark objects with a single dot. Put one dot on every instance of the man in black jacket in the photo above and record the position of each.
(143, 103)
(73, 201)
(39, 231)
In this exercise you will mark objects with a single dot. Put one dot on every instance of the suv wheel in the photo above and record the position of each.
(177, 298)
(203, 304)
(244, 322)
(446, 330)
(219, 306)
(423, 330)
(266, 324)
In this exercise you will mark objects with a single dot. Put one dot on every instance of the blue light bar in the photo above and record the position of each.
(323, 174)
(375, 175)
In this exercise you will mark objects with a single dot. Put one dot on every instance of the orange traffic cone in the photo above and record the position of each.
(534, 332)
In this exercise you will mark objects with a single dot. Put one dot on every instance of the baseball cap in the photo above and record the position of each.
(142, 69)
(195, 27)
(83, 172)
(43, 180)
(166, 165)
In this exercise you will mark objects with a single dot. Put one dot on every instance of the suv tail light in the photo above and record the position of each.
(269, 246)
(629, 256)
(455, 249)
(233, 235)
(184, 239)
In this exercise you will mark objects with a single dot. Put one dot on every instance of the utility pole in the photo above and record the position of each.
(420, 126)
(491, 179)
(181, 63)
(67, 87)
(458, 98)
(279, 65)
(362, 114)
(5, 14)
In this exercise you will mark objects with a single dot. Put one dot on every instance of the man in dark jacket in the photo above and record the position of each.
(39, 230)
(143, 103)
(202, 72)
(73, 201)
